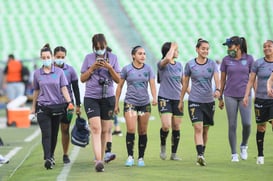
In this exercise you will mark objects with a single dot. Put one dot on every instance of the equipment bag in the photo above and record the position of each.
(80, 132)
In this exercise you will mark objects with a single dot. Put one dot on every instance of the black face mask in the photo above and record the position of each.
(232, 53)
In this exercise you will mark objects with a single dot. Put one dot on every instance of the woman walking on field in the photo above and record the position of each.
(170, 77)
(201, 104)
(137, 108)
(263, 103)
(235, 70)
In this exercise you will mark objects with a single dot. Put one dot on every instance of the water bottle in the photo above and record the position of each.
(70, 111)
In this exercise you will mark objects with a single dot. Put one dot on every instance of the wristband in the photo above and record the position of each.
(218, 90)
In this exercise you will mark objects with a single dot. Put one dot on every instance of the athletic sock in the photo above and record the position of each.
(142, 142)
(175, 140)
(130, 140)
(204, 148)
(163, 136)
(108, 147)
(199, 149)
(260, 143)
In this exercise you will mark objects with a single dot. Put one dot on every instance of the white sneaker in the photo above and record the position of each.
(175, 157)
(260, 160)
(129, 162)
(244, 152)
(234, 158)
(163, 155)
(3, 160)
(200, 160)
(141, 162)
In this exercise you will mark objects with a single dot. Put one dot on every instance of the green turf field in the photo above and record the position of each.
(27, 164)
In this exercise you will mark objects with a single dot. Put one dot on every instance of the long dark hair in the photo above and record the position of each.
(98, 39)
(165, 48)
(240, 41)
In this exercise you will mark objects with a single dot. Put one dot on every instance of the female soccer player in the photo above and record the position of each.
(170, 73)
(263, 105)
(201, 105)
(99, 71)
(137, 106)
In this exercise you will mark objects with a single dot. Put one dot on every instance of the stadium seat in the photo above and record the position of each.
(186, 21)
(71, 25)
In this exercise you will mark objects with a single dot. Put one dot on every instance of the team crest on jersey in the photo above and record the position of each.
(66, 72)
(145, 74)
(179, 69)
(243, 62)
(54, 76)
(209, 70)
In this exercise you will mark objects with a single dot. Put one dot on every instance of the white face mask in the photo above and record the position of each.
(100, 52)
(47, 62)
(59, 61)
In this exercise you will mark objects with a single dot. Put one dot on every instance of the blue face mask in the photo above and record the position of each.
(47, 63)
(100, 52)
(59, 61)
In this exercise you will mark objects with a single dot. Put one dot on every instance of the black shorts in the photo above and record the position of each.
(103, 108)
(202, 112)
(68, 116)
(263, 110)
(168, 106)
(139, 109)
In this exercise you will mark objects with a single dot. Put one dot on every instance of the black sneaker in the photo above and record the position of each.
(66, 159)
(109, 157)
(48, 164)
(99, 167)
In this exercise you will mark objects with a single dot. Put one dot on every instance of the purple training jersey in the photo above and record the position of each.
(263, 70)
(201, 76)
(49, 85)
(137, 84)
(93, 89)
(237, 73)
(170, 77)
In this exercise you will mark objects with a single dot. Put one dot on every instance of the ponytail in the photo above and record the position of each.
(165, 48)
(243, 45)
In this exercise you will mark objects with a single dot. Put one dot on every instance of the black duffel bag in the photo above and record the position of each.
(80, 132)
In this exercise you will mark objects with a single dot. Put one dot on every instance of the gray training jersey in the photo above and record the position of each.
(263, 70)
(137, 84)
(170, 80)
(201, 76)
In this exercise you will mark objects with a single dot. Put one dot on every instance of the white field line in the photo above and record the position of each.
(26, 156)
(12, 153)
(66, 169)
(36, 133)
